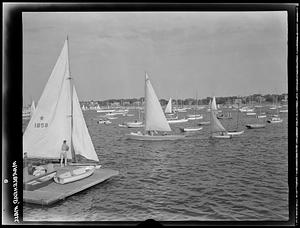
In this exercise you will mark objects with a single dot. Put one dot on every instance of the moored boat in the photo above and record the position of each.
(204, 123)
(217, 129)
(235, 132)
(190, 129)
(275, 120)
(155, 120)
(172, 121)
(255, 126)
(136, 124)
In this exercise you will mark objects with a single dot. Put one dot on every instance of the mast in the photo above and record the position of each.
(71, 115)
(237, 122)
(145, 102)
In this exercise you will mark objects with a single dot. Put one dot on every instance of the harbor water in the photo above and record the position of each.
(195, 179)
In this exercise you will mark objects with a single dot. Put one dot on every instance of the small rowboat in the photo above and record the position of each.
(39, 182)
(74, 175)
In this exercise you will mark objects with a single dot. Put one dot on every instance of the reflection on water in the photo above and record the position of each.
(243, 178)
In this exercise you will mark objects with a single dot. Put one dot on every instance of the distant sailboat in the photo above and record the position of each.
(275, 118)
(58, 117)
(169, 109)
(155, 119)
(32, 108)
(193, 117)
(259, 123)
(236, 132)
(261, 114)
(217, 129)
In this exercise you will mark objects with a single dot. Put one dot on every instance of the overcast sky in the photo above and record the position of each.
(184, 53)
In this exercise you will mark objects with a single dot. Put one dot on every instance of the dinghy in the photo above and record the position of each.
(217, 129)
(155, 120)
(58, 117)
(74, 175)
(39, 182)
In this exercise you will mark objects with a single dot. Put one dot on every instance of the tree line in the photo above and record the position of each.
(255, 98)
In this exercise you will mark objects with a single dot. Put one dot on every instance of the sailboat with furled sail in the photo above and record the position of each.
(58, 117)
(217, 129)
(155, 120)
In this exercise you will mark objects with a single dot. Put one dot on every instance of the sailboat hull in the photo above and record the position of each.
(227, 136)
(191, 129)
(195, 118)
(274, 121)
(235, 132)
(255, 126)
(75, 175)
(135, 124)
(178, 121)
(204, 123)
(142, 137)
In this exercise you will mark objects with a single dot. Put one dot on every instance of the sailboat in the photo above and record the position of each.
(261, 114)
(169, 113)
(169, 109)
(58, 117)
(236, 132)
(259, 123)
(137, 123)
(217, 129)
(155, 119)
(193, 117)
(275, 118)
(32, 108)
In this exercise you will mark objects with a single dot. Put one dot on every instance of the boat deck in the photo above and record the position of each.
(55, 192)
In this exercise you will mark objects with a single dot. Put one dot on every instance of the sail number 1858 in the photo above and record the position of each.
(40, 125)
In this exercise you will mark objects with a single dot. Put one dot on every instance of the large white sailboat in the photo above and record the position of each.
(155, 120)
(217, 129)
(58, 117)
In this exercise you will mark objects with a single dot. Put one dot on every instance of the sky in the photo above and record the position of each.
(186, 54)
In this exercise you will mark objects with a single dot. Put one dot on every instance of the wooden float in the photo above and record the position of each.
(54, 192)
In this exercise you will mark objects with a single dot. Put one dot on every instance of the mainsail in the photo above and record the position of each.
(169, 106)
(214, 104)
(52, 121)
(216, 125)
(154, 117)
